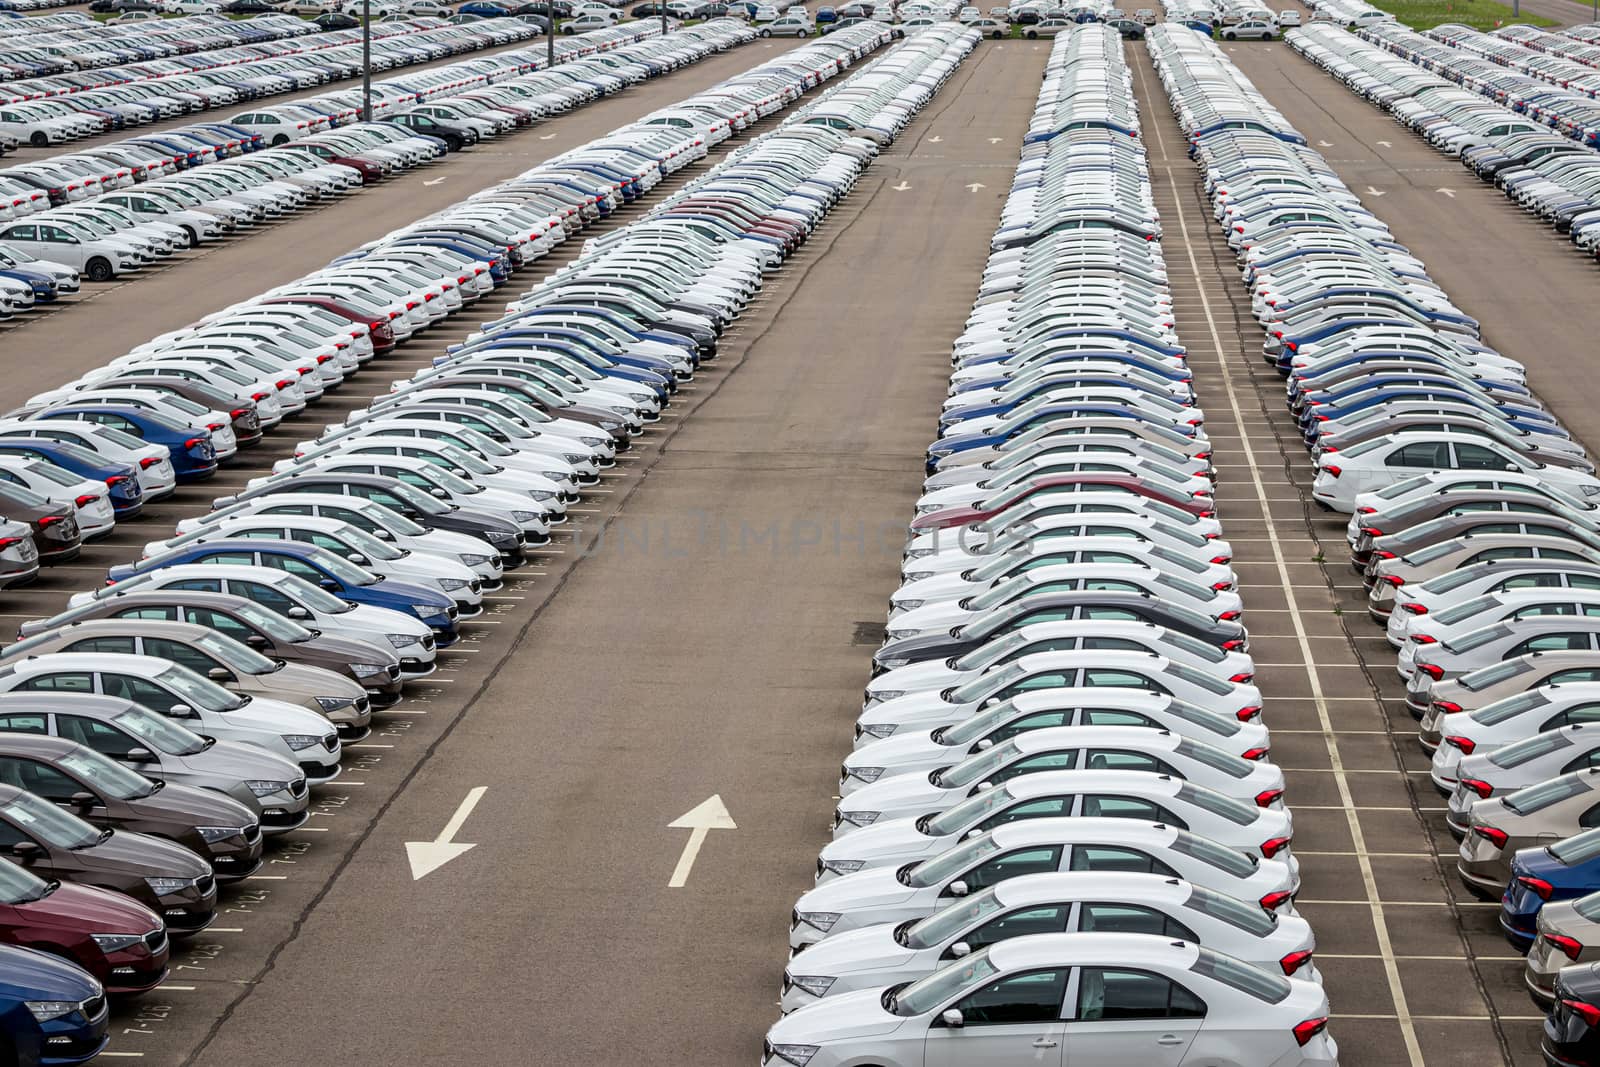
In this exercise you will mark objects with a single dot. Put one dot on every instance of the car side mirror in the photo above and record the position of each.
(83, 799)
(985, 744)
(358, 559)
(383, 535)
(180, 711)
(220, 674)
(27, 851)
(958, 888)
(985, 786)
(960, 948)
(329, 584)
(297, 612)
(440, 493)
(259, 641)
(953, 1018)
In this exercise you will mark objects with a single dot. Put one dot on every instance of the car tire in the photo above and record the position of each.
(98, 269)
(764, 33)
(1229, 37)
(1030, 35)
(280, 139)
(194, 238)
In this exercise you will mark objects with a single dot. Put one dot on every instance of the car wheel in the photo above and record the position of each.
(194, 238)
(99, 269)
(280, 139)
(765, 33)
(1229, 37)
(1032, 36)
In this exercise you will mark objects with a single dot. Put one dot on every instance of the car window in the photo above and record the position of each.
(1476, 457)
(1426, 454)
(1012, 865)
(66, 682)
(157, 614)
(23, 724)
(1116, 807)
(1117, 858)
(1116, 993)
(1047, 919)
(1550, 643)
(1130, 919)
(103, 738)
(125, 645)
(139, 690)
(1029, 997)
(1119, 760)
(38, 778)
(179, 653)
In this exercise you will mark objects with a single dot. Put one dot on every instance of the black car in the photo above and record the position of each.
(248, 7)
(646, 11)
(455, 137)
(331, 21)
(1572, 1030)
(1056, 607)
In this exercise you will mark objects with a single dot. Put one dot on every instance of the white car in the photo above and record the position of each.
(1548, 754)
(166, 688)
(97, 259)
(1010, 1003)
(1036, 846)
(1062, 902)
(1265, 832)
(1504, 722)
(153, 463)
(1371, 465)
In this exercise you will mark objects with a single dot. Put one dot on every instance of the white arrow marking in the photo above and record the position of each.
(935, 140)
(546, 136)
(710, 814)
(436, 181)
(428, 856)
(902, 187)
(975, 186)
(1451, 193)
(1385, 144)
(1374, 192)
(1324, 144)
(996, 140)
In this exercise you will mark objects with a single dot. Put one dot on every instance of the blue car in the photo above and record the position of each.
(52, 1012)
(193, 456)
(953, 443)
(484, 10)
(319, 567)
(1563, 871)
(127, 498)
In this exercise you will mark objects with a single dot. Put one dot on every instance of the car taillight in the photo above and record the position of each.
(116, 480)
(1274, 901)
(1393, 579)
(1570, 946)
(1494, 836)
(1267, 797)
(149, 461)
(1415, 608)
(1221, 586)
(1482, 788)
(1232, 646)
(1294, 961)
(1465, 744)
(1274, 845)
(85, 500)
(325, 358)
(50, 520)
(1425, 639)
(1255, 753)
(259, 396)
(285, 383)
(194, 442)
(1333, 470)
(1242, 676)
(1538, 886)
(1248, 713)
(1229, 616)
(1309, 1029)
(1587, 1012)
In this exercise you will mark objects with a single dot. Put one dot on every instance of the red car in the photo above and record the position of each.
(940, 520)
(113, 937)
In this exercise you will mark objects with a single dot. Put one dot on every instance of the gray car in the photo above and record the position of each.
(1484, 686)
(158, 747)
(1538, 815)
(1384, 576)
(1569, 930)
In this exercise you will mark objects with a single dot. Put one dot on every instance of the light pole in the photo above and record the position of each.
(550, 34)
(664, 17)
(366, 60)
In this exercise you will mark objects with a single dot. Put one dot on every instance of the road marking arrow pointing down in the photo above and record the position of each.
(902, 187)
(1374, 191)
(428, 856)
(935, 140)
(710, 814)
(1451, 193)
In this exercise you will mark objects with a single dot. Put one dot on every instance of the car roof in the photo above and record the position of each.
(1092, 948)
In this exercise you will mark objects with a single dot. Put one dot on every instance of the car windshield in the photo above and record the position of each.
(951, 862)
(1536, 798)
(365, 543)
(1479, 680)
(947, 922)
(1444, 583)
(1510, 707)
(41, 819)
(1006, 590)
(275, 626)
(1226, 725)
(1199, 679)
(977, 767)
(118, 438)
(1432, 552)
(235, 654)
(108, 776)
(1579, 848)
(924, 996)
(19, 886)
(1198, 649)
(391, 520)
(1529, 748)
(198, 692)
(55, 475)
(990, 682)
(969, 812)
(987, 655)
(160, 732)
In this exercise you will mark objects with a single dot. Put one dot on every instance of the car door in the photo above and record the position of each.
(1013, 1021)
(1127, 1015)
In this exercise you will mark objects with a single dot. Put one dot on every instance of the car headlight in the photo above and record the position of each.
(919, 553)
(925, 509)
(422, 611)
(907, 605)
(609, 426)
(574, 458)
(116, 942)
(263, 788)
(502, 537)
(822, 920)
(469, 560)
(335, 703)
(816, 985)
(162, 886)
(525, 516)
(45, 1010)
(402, 640)
(212, 834)
(843, 866)
(542, 495)
(595, 442)
(367, 670)
(450, 585)
(880, 729)
(915, 576)
(900, 635)
(299, 741)
(799, 1055)
(892, 664)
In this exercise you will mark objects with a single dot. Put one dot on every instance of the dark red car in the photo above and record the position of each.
(113, 937)
(941, 520)
(382, 332)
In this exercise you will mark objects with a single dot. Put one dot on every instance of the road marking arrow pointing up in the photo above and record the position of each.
(975, 186)
(428, 856)
(710, 814)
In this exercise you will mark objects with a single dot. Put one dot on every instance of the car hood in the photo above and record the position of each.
(29, 975)
(872, 948)
(864, 889)
(199, 807)
(294, 682)
(351, 651)
(230, 760)
(275, 716)
(82, 907)
(139, 855)
(841, 1018)
(899, 794)
(906, 750)
(888, 842)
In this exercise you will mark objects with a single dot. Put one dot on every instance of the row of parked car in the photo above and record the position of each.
(43, 112)
(1474, 519)
(1533, 134)
(73, 41)
(1059, 838)
(239, 656)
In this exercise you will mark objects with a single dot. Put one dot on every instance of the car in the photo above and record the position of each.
(1288, 18)
(788, 26)
(51, 1010)
(1555, 808)
(163, 876)
(119, 941)
(989, 27)
(996, 998)
(1564, 934)
(1473, 690)
(1504, 722)
(1570, 1031)
(102, 792)
(1529, 761)
(52, 535)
